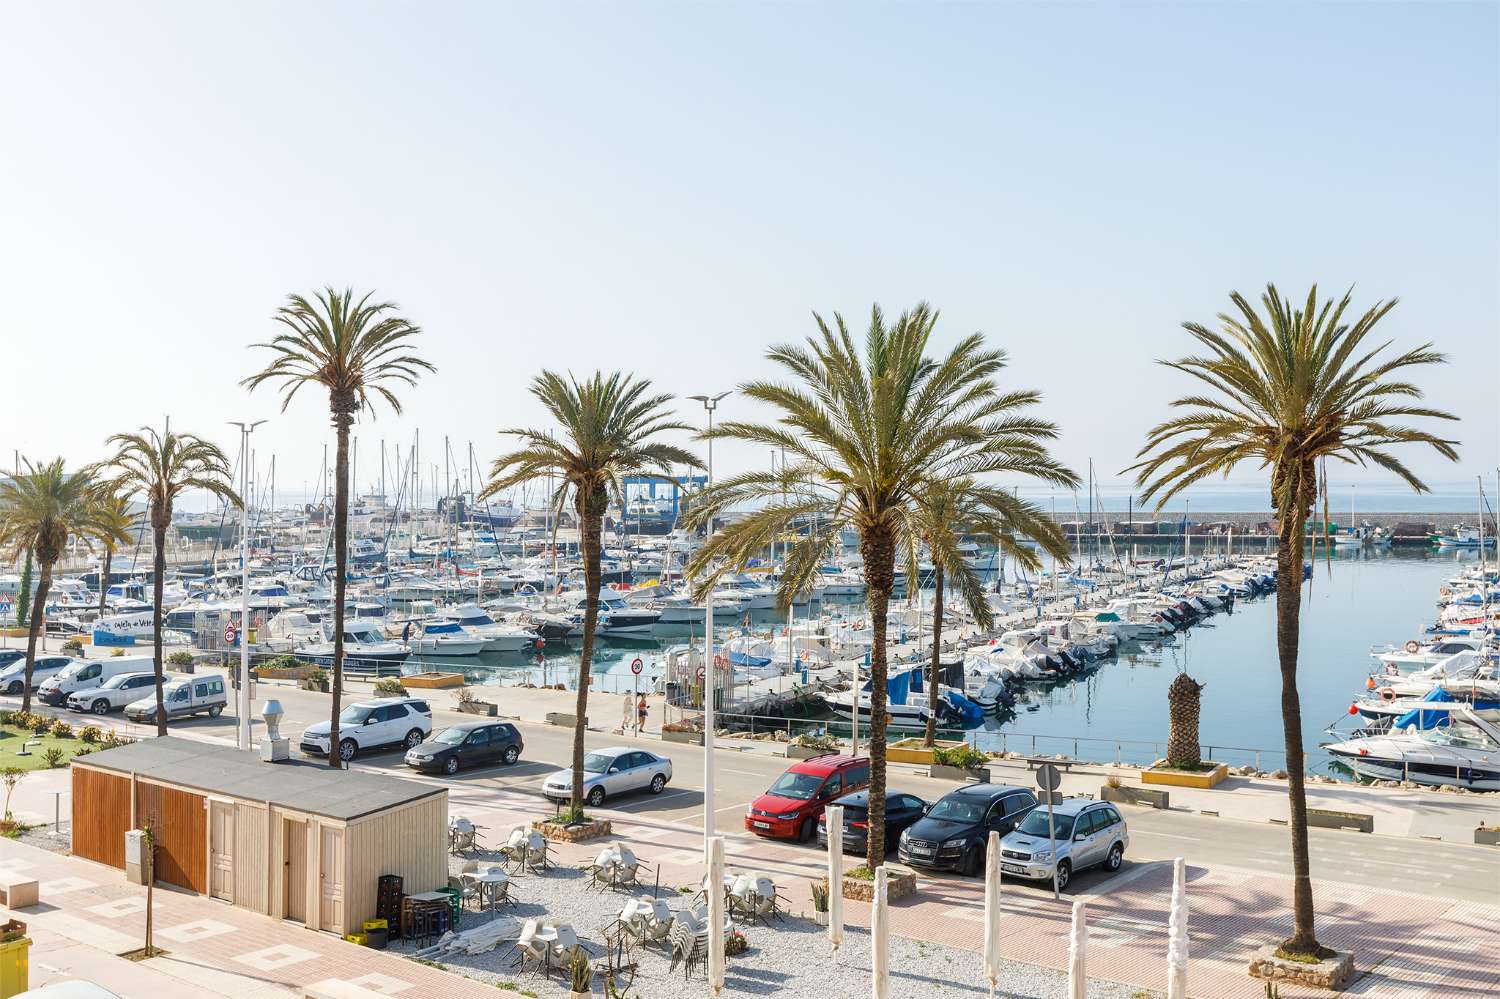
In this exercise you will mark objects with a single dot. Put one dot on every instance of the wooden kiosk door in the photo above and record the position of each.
(294, 869)
(221, 850)
(331, 879)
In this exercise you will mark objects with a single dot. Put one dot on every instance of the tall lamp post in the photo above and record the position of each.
(242, 709)
(710, 403)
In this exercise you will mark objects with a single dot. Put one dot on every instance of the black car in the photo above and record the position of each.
(953, 833)
(901, 810)
(470, 744)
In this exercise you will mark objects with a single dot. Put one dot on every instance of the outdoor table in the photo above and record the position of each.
(494, 887)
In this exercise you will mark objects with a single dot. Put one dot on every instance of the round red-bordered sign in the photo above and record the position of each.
(231, 633)
(636, 666)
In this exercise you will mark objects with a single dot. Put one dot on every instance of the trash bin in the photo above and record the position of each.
(15, 959)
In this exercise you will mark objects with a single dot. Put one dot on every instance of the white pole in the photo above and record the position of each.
(716, 913)
(242, 702)
(880, 943)
(992, 930)
(1078, 942)
(835, 875)
(709, 673)
(1177, 934)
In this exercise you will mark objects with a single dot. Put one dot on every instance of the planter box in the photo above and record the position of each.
(912, 750)
(279, 673)
(796, 752)
(688, 738)
(1186, 778)
(941, 772)
(559, 833)
(820, 917)
(1330, 973)
(487, 708)
(900, 882)
(1487, 837)
(564, 719)
(433, 681)
(1325, 818)
(1135, 796)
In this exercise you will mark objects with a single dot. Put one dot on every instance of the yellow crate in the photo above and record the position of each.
(356, 938)
(374, 924)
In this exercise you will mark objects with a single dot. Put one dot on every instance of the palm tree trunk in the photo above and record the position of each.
(34, 627)
(879, 551)
(343, 410)
(1288, 613)
(591, 525)
(109, 557)
(159, 572)
(937, 647)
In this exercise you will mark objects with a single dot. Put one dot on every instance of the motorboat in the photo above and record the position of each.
(1415, 656)
(907, 703)
(496, 636)
(366, 650)
(442, 637)
(1443, 744)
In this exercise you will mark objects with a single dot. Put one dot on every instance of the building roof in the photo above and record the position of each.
(295, 784)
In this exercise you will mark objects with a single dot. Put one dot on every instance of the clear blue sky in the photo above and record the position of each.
(669, 188)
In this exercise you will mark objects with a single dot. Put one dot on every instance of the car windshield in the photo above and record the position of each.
(355, 714)
(799, 786)
(597, 763)
(116, 682)
(452, 736)
(955, 809)
(1036, 824)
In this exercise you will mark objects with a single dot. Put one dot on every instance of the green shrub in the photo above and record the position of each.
(54, 756)
(40, 724)
(72, 647)
(180, 658)
(316, 677)
(389, 687)
(117, 654)
(90, 734)
(808, 740)
(84, 750)
(282, 662)
(962, 756)
(8, 717)
(60, 730)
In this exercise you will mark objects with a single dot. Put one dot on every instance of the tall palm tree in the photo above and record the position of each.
(114, 514)
(863, 430)
(608, 424)
(163, 466)
(1287, 389)
(355, 349)
(947, 509)
(41, 509)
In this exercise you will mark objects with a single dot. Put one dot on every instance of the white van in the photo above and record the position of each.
(82, 674)
(191, 696)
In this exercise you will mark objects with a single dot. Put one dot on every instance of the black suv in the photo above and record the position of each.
(469, 744)
(953, 833)
(901, 810)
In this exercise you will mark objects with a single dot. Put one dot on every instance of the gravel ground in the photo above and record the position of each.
(790, 958)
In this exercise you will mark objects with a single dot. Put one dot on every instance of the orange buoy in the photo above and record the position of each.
(1354, 709)
(1369, 683)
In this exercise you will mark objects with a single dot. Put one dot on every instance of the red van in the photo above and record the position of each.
(790, 809)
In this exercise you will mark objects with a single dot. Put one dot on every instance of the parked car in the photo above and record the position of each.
(1088, 833)
(200, 695)
(13, 670)
(790, 808)
(901, 810)
(81, 674)
(113, 694)
(405, 721)
(470, 744)
(952, 836)
(608, 772)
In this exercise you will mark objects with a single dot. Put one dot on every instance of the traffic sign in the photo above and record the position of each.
(636, 666)
(1050, 798)
(1048, 778)
(701, 674)
(231, 633)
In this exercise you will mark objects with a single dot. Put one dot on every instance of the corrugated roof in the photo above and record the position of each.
(297, 784)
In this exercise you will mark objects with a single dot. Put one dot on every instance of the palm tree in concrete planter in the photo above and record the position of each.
(163, 466)
(609, 428)
(356, 350)
(865, 428)
(115, 516)
(41, 510)
(1184, 702)
(947, 510)
(1284, 389)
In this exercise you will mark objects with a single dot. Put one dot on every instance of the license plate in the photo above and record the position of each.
(761, 825)
(921, 851)
(1013, 868)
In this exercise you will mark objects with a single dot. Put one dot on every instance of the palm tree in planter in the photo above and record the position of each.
(1184, 701)
(609, 428)
(948, 509)
(865, 429)
(1285, 389)
(356, 350)
(162, 467)
(115, 516)
(41, 510)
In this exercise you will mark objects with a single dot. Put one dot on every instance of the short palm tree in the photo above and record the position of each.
(864, 429)
(162, 466)
(946, 511)
(114, 515)
(41, 510)
(608, 428)
(355, 349)
(1288, 388)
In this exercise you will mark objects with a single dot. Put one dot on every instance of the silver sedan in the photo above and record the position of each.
(610, 772)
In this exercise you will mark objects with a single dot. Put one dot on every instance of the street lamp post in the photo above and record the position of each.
(242, 703)
(710, 403)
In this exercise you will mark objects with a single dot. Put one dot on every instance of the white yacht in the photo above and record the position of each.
(1416, 656)
(366, 650)
(497, 637)
(1460, 750)
(442, 637)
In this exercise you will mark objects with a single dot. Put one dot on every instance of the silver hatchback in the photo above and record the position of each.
(609, 772)
(1088, 833)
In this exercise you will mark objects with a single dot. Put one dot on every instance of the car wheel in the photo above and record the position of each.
(413, 739)
(1064, 873)
(511, 756)
(451, 764)
(347, 749)
(216, 711)
(15, 688)
(658, 783)
(101, 707)
(1116, 855)
(971, 862)
(806, 830)
(596, 796)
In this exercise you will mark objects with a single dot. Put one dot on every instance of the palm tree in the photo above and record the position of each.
(41, 509)
(114, 514)
(1288, 389)
(608, 423)
(863, 431)
(354, 349)
(163, 466)
(947, 509)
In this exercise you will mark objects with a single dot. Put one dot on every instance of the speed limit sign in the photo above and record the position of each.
(636, 666)
(701, 674)
(231, 633)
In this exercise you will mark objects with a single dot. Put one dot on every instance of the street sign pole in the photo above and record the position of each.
(635, 693)
(1049, 780)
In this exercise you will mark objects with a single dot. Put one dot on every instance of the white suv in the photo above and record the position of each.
(113, 694)
(403, 721)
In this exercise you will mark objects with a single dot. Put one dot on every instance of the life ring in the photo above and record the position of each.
(1412, 646)
(805, 657)
(1387, 694)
